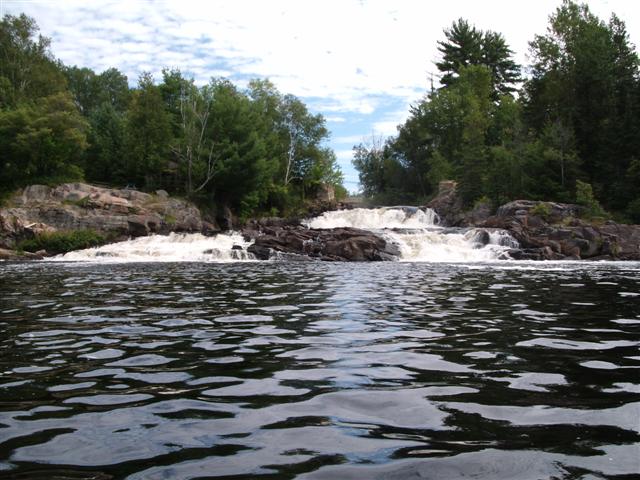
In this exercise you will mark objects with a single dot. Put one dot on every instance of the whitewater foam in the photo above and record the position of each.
(416, 233)
(419, 236)
(376, 218)
(175, 247)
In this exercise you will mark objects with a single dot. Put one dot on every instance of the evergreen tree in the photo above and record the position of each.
(105, 157)
(465, 46)
(583, 74)
(148, 135)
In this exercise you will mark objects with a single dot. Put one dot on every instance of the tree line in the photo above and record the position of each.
(254, 150)
(567, 130)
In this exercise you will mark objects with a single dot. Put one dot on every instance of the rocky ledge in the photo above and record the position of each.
(545, 230)
(293, 241)
(555, 231)
(117, 213)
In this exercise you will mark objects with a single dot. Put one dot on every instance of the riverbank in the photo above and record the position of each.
(544, 230)
(113, 214)
(98, 215)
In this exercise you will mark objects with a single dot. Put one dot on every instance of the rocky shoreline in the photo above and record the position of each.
(544, 230)
(118, 214)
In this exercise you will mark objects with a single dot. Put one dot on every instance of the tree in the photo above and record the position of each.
(303, 135)
(148, 134)
(583, 76)
(27, 68)
(113, 88)
(83, 84)
(369, 161)
(243, 178)
(193, 147)
(498, 57)
(42, 143)
(462, 47)
(382, 177)
(466, 46)
(105, 157)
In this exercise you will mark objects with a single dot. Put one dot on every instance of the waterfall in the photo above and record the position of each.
(451, 245)
(415, 232)
(419, 237)
(376, 218)
(175, 247)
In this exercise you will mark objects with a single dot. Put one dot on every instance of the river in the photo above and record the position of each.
(242, 369)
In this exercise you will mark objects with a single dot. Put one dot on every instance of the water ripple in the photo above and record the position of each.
(319, 371)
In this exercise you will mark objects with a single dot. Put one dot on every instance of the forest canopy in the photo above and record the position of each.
(255, 150)
(570, 119)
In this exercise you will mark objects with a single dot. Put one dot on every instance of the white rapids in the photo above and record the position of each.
(415, 232)
(175, 247)
(376, 218)
(419, 237)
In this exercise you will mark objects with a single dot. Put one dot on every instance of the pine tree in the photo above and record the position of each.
(465, 46)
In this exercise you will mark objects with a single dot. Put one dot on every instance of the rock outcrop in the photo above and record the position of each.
(554, 231)
(118, 213)
(545, 230)
(448, 204)
(278, 238)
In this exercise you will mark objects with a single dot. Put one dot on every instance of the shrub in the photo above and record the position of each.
(542, 209)
(62, 242)
(586, 198)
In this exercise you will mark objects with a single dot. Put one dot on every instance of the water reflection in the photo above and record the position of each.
(319, 371)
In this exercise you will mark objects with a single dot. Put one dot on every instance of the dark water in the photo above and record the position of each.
(158, 371)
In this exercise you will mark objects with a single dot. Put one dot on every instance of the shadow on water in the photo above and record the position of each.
(317, 370)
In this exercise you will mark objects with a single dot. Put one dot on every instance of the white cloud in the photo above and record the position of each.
(349, 51)
(351, 139)
(344, 154)
(345, 58)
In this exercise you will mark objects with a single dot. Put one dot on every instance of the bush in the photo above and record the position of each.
(62, 242)
(542, 210)
(586, 198)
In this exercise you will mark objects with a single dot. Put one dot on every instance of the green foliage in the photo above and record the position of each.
(341, 192)
(258, 150)
(148, 135)
(578, 116)
(41, 143)
(465, 46)
(586, 198)
(91, 90)
(105, 157)
(542, 209)
(583, 78)
(27, 69)
(62, 242)
(381, 174)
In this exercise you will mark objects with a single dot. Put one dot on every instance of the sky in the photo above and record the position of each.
(360, 63)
